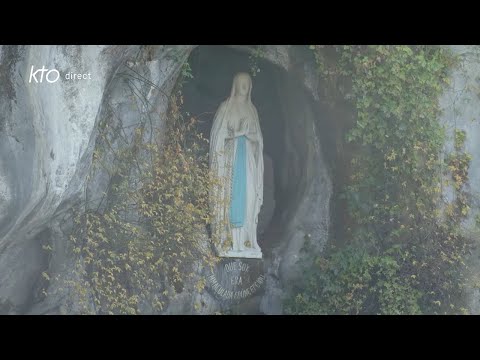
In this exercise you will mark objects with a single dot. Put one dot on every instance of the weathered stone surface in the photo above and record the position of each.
(47, 136)
(233, 281)
(45, 145)
(461, 104)
(268, 207)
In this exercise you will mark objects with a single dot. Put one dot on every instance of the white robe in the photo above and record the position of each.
(236, 242)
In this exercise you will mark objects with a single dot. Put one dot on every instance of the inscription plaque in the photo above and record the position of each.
(234, 280)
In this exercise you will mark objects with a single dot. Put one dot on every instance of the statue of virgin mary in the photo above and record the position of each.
(236, 160)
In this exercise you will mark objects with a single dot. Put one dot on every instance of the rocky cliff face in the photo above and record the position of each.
(47, 138)
(461, 104)
(48, 133)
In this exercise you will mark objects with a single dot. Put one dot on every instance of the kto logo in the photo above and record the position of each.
(51, 76)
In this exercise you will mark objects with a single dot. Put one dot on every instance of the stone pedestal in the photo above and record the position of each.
(233, 281)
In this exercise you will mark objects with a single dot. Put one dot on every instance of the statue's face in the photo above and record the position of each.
(242, 85)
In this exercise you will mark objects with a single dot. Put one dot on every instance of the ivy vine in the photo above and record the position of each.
(404, 254)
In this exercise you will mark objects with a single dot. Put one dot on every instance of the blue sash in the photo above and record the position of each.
(239, 184)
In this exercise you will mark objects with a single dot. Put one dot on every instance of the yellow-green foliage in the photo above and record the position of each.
(394, 192)
(149, 236)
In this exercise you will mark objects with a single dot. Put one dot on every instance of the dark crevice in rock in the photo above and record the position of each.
(300, 153)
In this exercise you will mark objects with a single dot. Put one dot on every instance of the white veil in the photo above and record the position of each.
(222, 156)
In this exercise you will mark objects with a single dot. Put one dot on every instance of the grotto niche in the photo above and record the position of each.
(297, 185)
(213, 69)
(64, 169)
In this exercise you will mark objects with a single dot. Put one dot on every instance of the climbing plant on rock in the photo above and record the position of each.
(411, 249)
(146, 240)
